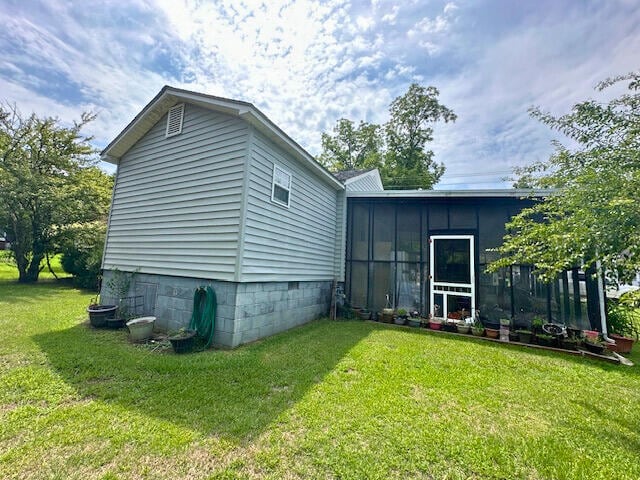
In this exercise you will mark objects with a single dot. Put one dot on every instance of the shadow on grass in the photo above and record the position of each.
(231, 393)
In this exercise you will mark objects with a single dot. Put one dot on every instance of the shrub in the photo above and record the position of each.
(81, 249)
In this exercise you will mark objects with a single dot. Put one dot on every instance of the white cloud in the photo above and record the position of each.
(308, 63)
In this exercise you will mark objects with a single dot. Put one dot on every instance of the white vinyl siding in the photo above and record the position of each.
(291, 244)
(369, 182)
(176, 206)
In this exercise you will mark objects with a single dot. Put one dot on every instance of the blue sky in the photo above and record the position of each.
(306, 64)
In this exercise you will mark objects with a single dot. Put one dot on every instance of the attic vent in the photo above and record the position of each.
(174, 120)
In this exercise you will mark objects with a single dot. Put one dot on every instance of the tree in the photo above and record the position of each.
(398, 147)
(592, 214)
(407, 163)
(48, 182)
(352, 147)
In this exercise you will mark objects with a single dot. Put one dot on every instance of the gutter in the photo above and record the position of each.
(603, 310)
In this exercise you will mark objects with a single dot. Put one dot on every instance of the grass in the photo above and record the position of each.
(328, 400)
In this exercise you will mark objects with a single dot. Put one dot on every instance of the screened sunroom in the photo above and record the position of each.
(427, 251)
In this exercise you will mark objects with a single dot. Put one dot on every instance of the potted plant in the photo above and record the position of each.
(545, 340)
(524, 335)
(620, 325)
(450, 325)
(492, 332)
(463, 327)
(594, 345)
(99, 314)
(478, 328)
(401, 317)
(414, 320)
(569, 343)
(435, 323)
(536, 325)
(183, 340)
(364, 314)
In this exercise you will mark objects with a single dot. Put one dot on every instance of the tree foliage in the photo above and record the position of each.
(398, 147)
(81, 246)
(48, 182)
(352, 146)
(593, 212)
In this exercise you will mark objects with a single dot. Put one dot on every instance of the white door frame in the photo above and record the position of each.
(442, 288)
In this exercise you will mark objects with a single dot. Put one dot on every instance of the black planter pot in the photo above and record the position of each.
(99, 314)
(183, 342)
(594, 347)
(115, 323)
(524, 337)
(449, 327)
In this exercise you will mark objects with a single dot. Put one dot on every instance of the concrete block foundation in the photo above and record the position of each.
(246, 311)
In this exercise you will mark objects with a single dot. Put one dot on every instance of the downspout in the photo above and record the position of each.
(603, 310)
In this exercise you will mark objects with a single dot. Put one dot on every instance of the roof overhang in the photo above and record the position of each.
(170, 96)
(489, 193)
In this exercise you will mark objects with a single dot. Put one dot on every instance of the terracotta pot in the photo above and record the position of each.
(623, 344)
(492, 332)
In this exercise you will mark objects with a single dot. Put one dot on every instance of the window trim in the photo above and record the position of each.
(282, 171)
(176, 108)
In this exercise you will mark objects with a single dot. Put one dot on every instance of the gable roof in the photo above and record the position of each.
(170, 96)
(345, 175)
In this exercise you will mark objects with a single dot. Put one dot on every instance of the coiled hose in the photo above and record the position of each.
(203, 318)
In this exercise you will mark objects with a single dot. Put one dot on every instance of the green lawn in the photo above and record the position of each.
(328, 400)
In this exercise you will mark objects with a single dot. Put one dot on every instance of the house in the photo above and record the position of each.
(209, 191)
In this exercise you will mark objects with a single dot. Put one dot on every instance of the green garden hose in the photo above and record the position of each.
(203, 318)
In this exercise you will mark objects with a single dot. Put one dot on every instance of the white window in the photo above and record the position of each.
(281, 186)
(174, 120)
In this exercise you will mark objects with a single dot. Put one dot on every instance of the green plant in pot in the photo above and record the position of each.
(536, 324)
(620, 322)
(414, 319)
(546, 340)
(478, 328)
(524, 335)
(401, 317)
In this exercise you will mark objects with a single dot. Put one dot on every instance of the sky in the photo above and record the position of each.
(306, 64)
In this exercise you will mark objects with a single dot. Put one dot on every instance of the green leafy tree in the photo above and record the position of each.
(352, 146)
(408, 164)
(48, 181)
(398, 148)
(593, 211)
